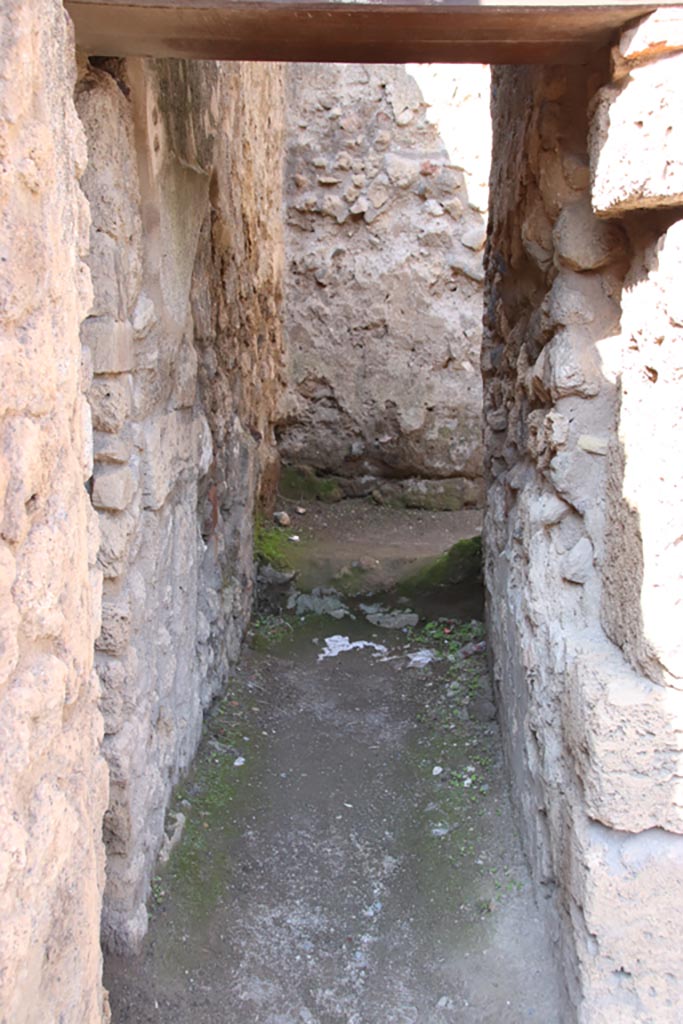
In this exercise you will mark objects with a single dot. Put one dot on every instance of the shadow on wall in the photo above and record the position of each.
(184, 343)
(385, 205)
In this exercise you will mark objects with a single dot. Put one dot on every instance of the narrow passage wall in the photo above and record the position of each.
(385, 206)
(53, 780)
(582, 368)
(183, 349)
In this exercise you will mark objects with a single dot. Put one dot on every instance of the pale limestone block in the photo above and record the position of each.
(593, 444)
(636, 141)
(116, 529)
(111, 344)
(573, 299)
(113, 487)
(474, 238)
(467, 263)
(110, 402)
(582, 241)
(570, 365)
(336, 208)
(577, 565)
(116, 624)
(169, 446)
(549, 510)
(113, 699)
(111, 448)
(144, 315)
(625, 735)
(630, 889)
(104, 261)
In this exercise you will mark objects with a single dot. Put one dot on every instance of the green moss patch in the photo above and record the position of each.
(301, 483)
(271, 546)
(209, 798)
(460, 564)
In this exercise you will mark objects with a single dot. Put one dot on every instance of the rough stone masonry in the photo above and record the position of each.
(182, 352)
(385, 206)
(131, 468)
(582, 370)
(164, 423)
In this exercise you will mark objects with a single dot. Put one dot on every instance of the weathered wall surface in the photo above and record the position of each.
(582, 364)
(385, 204)
(183, 345)
(53, 783)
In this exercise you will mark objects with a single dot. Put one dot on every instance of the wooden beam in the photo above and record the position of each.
(382, 31)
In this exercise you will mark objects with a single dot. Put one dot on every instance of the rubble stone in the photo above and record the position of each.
(383, 367)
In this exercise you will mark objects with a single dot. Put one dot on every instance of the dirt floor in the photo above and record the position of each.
(349, 852)
(378, 545)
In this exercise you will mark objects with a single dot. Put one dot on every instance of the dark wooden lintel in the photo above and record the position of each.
(382, 31)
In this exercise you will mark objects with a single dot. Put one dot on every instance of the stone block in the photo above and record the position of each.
(469, 264)
(474, 238)
(111, 344)
(624, 734)
(170, 442)
(436, 495)
(582, 241)
(577, 565)
(110, 402)
(116, 624)
(116, 529)
(112, 674)
(113, 487)
(629, 888)
(111, 448)
(144, 315)
(636, 141)
(403, 171)
(568, 365)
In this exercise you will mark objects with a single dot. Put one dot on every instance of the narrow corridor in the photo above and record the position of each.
(350, 853)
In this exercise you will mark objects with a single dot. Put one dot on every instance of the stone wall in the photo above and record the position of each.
(385, 205)
(581, 365)
(53, 782)
(183, 346)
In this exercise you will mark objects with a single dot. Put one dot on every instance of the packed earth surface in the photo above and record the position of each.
(348, 852)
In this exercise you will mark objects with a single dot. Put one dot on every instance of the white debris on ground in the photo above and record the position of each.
(418, 659)
(335, 645)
